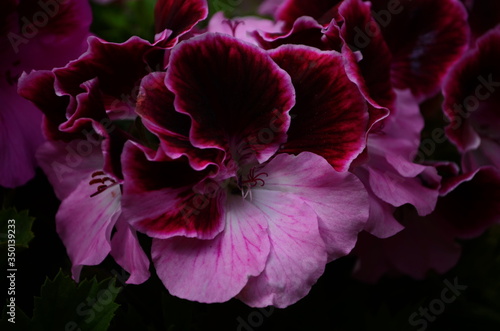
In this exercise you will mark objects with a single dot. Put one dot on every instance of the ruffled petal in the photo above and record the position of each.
(425, 38)
(330, 117)
(179, 16)
(155, 105)
(160, 199)
(242, 28)
(215, 270)
(233, 92)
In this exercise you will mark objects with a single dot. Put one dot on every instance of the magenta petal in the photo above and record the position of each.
(330, 117)
(339, 199)
(298, 254)
(179, 16)
(128, 253)
(233, 92)
(65, 167)
(215, 270)
(20, 136)
(425, 38)
(84, 224)
(160, 199)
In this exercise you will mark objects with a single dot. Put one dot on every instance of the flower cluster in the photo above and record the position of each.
(247, 153)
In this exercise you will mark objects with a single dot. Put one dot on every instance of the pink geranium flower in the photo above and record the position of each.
(33, 35)
(231, 213)
(468, 205)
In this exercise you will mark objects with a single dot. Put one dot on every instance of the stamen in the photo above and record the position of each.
(102, 180)
(233, 24)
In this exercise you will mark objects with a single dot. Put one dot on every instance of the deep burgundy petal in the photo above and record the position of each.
(155, 105)
(234, 93)
(472, 95)
(118, 67)
(483, 15)
(425, 37)
(160, 199)
(179, 16)
(322, 10)
(473, 205)
(330, 117)
(305, 31)
(361, 32)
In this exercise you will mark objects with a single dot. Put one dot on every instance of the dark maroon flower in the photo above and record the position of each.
(472, 103)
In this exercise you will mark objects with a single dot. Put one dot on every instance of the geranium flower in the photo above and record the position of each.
(33, 35)
(230, 212)
(83, 105)
(468, 205)
(424, 38)
(472, 101)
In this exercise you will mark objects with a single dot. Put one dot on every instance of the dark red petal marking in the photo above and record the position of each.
(234, 93)
(425, 38)
(179, 16)
(330, 117)
(160, 200)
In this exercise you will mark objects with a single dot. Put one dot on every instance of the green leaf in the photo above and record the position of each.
(22, 227)
(64, 305)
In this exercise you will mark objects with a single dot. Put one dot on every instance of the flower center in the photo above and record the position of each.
(244, 186)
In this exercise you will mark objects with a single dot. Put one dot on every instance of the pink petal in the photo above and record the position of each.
(321, 10)
(66, 166)
(215, 270)
(339, 199)
(242, 27)
(128, 253)
(298, 254)
(84, 224)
